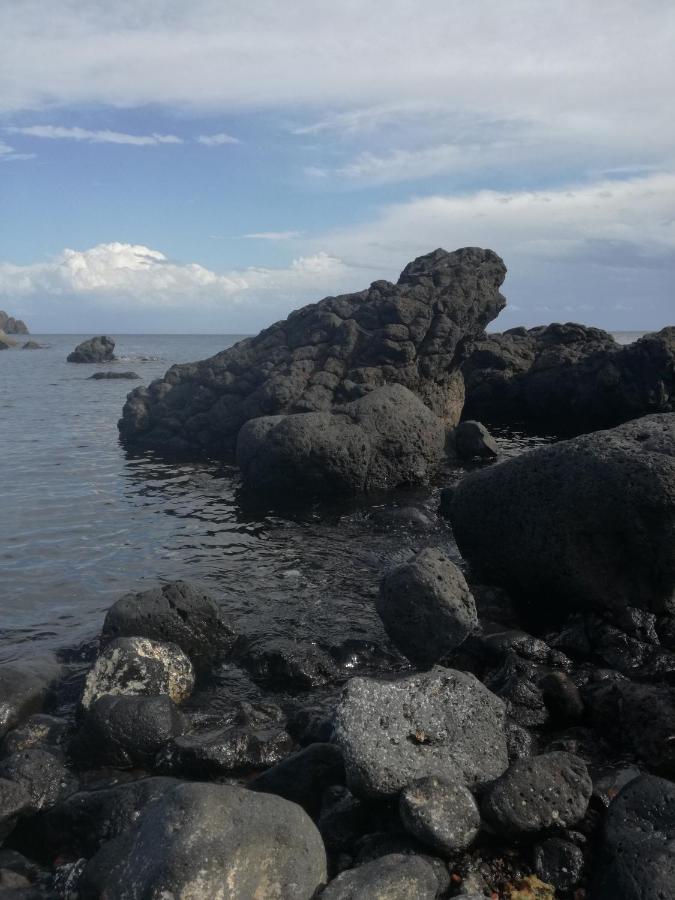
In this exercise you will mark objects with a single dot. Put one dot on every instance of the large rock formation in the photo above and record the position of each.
(569, 378)
(10, 325)
(583, 524)
(413, 333)
(95, 350)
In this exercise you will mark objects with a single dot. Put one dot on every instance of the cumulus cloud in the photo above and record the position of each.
(61, 133)
(217, 140)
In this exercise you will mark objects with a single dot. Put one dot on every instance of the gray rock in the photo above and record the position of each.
(139, 667)
(42, 775)
(24, 689)
(636, 859)
(440, 813)
(393, 877)
(176, 613)
(14, 802)
(39, 730)
(95, 350)
(413, 333)
(441, 722)
(113, 376)
(426, 607)
(582, 524)
(10, 325)
(409, 518)
(284, 664)
(304, 776)
(32, 345)
(559, 863)
(210, 840)
(472, 440)
(534, 794)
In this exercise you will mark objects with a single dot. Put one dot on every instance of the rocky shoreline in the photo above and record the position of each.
(517, 739)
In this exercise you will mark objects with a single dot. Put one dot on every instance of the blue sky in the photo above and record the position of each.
(208, 167)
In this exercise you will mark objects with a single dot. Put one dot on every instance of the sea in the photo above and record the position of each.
(83, 522)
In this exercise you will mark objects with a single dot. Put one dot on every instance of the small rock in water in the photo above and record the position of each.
(393, 877)
(440, 813)
(409, 517)
(95, 350)
(473, 440)
(112, 376)
(32, 345)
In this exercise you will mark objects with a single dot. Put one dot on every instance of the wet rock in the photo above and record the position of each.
(128, 730)
(43, 776)
(95, 350)
(201, 837)
(393, 877)
(39, 730)
(113, 376)
(405, 517)
(552, 789)
(520, 742)
(562, 698)
(442, 722)
(286, 664)
(636, 859)
(304, 776)
(32, 345)
(413, 333)
(585, 524)
(251, 736)
(440, 813)
(387, 439)
(516, 681)
(559, 863)
(472, 440)
(426, 607)
(24, 689)
(139, 667)
(176, 613)
(14, 802)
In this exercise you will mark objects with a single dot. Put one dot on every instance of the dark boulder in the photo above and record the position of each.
(43, 776)
(25, 688)
(583, 524)
(440, 813)
(95, 350)
(15, 801)
(39, 730)
(392, 877)
(472, 440)
(559, 863)
(113, 376)
(210, 840)
(284, 664)
(304, 776)
(10, 325)
(413, 333)
(426, 607)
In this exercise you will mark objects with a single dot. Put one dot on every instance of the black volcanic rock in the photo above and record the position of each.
(95, 350)
(10, 325)
(324, 355)
(112, 376)
(569, 378)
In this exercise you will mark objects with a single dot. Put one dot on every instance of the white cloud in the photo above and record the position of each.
(9, 154)
(59, 132)
(272, 235)
(217, 140)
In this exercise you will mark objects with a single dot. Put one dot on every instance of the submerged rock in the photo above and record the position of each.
(392, 877)
(211, 840)
(583, 524)
(95, 350)
(33, 345)
(113, 376)
(412, 333)
(43, 776)
(24, 689)
(442, 722)
(472, 440)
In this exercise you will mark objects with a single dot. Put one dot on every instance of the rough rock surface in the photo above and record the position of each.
(392, 877)
(559, 863)
(636, 859)
(43, 776)
(581, 524)
(442, 722)
(209, 840)
(95, 350)
(538, 793)
(10, 325)
(440, 813)
(14, 802)
(177, 613)
(472, 440)
(138, 666)
(569, 378)
(426, 607)
(412, 333)
(112, 376)
(24, 688)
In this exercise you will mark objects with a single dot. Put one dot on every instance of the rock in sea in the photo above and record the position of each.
(113, 376)
(95, 350)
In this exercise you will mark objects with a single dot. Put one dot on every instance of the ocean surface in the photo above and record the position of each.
(82, 522)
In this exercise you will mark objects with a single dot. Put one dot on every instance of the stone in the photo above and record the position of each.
(139, 667)
(176, 613)
(24, 689)
(113, 376)
(584, 524)
(393, 877)
(472, 440)
(10, 325)
(14, 802)
(32, 345)
(43, 776)
(304, 776)
(413, 333)
(39, 730)
(441, 813)
(211, 840)
(95, 350)
(129, 730)
(408, 518)
(534, 794)
(559, 863)
(279, 663)
(426, 607)
(635, 859)
(441, 722)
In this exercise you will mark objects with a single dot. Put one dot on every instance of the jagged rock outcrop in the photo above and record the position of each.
(413, 333)
(95, 350)
(10, 325)
(570, 378)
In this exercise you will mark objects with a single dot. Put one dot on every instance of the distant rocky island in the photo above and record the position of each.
(10, 325)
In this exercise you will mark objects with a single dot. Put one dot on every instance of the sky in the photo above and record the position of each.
(208, 166)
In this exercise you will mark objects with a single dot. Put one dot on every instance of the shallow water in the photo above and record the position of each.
(82, 522)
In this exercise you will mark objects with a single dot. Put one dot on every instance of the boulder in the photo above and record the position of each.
(176, 613)
(387, 439)
(10, 325)
(569, 378)
(14, 802)
(472, 440)
(24, 689)
(211, 840)
(43, 776)
(303, 776)
(441, 722)
(113, 376)
(139, 667)
(95, 350)
(440, 813)
(426, 607)
(559, 863)
(39, 730)
(412, 333)
(534, 794)
(579, 525)
(636, 859)
(392, 877)
(284, 664)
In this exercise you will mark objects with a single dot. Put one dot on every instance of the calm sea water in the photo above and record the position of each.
(81, 522)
